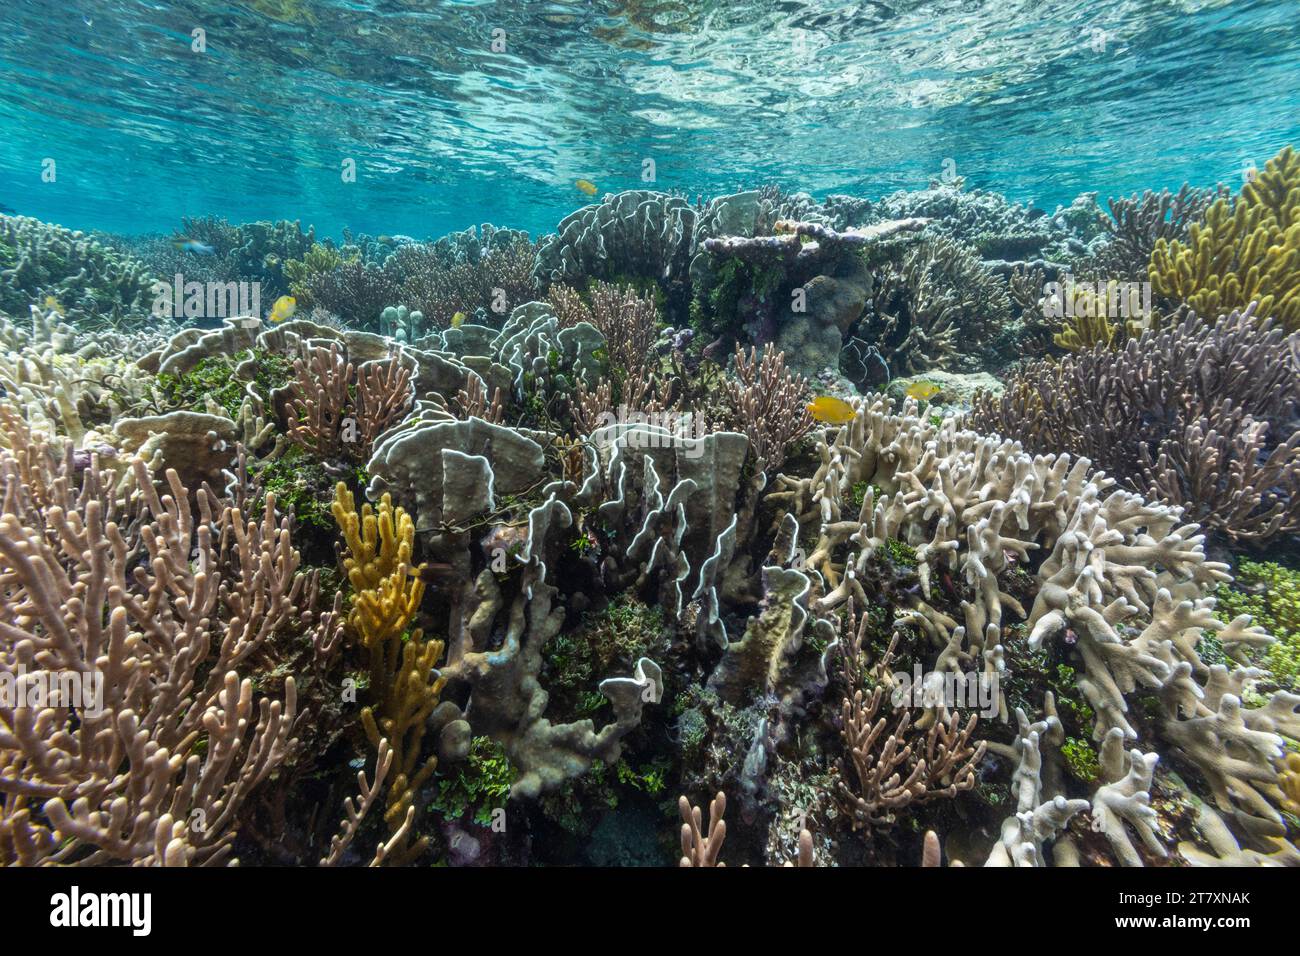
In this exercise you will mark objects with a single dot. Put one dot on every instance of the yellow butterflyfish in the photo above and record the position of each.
(52, 304)
(832, 410)
(457, 320)
(587, 186)
(923, 391)
(284, 308)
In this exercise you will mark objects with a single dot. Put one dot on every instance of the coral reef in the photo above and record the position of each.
(71, 273)
(749, 499)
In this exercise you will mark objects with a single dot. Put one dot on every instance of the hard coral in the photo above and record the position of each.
(1194, 414)
(1243, 252)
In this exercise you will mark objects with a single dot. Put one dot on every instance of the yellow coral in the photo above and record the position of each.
(1093, 317)
(1290, 782)
(1084, 330)
(1241, 253)
(403, 682)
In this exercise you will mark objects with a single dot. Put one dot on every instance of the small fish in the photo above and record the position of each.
(53, 305)
(284, 307)
(587, 186)
(5, 210)
(923, 391)
(193, 245)
(828, 408)
(458, 320)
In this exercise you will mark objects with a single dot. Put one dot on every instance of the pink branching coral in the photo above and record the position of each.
(337, 410)
(770, 404)
(149, 607)
(894, 763)
(473, 402)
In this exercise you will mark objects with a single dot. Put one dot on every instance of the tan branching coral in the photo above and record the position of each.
(150, 607)
(356, 810)
(938, 302)
(1123, 801)
(698, 847)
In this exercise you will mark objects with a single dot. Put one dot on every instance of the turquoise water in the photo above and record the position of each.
(1040, 100)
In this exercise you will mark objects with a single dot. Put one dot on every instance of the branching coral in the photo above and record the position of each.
(903, 765)
(97, 286)
(1042, 811)
(698, 847)
(628, 321)
(491, 284)
(1138, 223)
(930, 306)
(354, 290)
(151, 609)
(336, 409)
(1124, 800)
(404, 683)
(770, 404)
(1243, 252)
(1194, 414)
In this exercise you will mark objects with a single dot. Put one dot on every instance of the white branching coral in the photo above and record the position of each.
(1125, 798)
(1041, 812)
(1122, 582)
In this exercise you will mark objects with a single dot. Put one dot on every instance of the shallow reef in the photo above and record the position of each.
(755, 530)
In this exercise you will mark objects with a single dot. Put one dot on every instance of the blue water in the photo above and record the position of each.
(1040, 99)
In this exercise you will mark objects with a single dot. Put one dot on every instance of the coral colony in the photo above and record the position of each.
(929, 529)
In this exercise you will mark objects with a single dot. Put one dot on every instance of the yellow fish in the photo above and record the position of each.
(53, 305)
(587, 186)
(828, 408)
(923, 391)
(457, 320)
(284, 308)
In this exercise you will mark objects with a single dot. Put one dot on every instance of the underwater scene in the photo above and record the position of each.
(641, 433)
